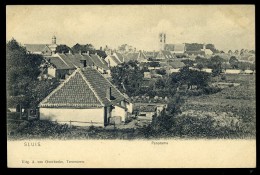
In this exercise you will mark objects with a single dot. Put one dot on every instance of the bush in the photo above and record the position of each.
(211, 90)
(223, 77)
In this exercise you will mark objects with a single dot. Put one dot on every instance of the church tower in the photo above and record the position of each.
(53, 45)
(54, 40)
(162, 40)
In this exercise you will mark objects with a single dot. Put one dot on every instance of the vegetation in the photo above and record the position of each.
(78, 48)
(188, 62)
(198, 47)
(191, 78)
(233, 61)
(22, 72)
(127, 77)
(63, 49)
(22, 68)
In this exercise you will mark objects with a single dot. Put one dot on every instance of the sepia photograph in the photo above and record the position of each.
(130, 86)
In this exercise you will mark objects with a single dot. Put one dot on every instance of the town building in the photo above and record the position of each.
(61, 65)
(112, 61)
(85, 98)
(42, 49)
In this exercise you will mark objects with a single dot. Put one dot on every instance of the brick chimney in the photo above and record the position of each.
(109, 93)
(80, 52)
(84, 63)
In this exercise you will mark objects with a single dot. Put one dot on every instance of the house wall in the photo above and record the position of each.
(149, 115)
(118, 111)
(233, 71)
(65, 115)
(129, 107)
(111, 62)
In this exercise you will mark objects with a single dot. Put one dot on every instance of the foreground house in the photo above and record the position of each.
(85, 98)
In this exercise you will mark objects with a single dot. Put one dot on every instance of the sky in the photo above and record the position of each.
(227, 26)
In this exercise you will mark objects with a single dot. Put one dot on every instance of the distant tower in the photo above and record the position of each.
(204, 47)
(162, 40)
(54, 40)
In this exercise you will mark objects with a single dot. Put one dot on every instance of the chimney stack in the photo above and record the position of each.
(100, 48)
(108, 94)
(84, 63)
(88, 53)
(80, 52)
(69, 51)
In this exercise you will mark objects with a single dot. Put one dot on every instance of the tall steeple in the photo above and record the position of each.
(162, 40)
(54, 40)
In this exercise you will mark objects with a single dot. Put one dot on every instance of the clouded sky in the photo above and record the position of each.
(228, 27)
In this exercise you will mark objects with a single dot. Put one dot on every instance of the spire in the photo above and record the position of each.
(54, 40)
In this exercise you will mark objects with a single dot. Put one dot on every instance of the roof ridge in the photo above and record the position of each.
(58, 88)
(110, 83)
(72, 62)
(90, 86)
(117, 57)
(63, 60)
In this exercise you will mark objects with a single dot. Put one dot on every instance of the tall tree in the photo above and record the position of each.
(215, 63)
(22, 68)
(63, 49)
(233, 61)
(127, 77)
(230, 52)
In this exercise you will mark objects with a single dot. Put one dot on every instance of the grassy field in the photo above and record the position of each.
(233, 108)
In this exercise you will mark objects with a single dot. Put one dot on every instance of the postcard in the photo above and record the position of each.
(131, 86)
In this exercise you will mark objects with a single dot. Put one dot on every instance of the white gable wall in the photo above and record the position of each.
(96, 115)
(118, 111)
(110, 61)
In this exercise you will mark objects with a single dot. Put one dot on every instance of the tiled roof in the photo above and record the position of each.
(167, 54)
(179, 47)
(88, 59)
(85, 88)
(75, 59)
(146, 108)
(169, 47)
(115, 59)
(195, 52)
(100, 62)
(131, 56)
(142, 57)
(58, 63)
(67, 60)
(177, 64)
(151, 54)
(119, 56)
(35, 47)
(100, 85)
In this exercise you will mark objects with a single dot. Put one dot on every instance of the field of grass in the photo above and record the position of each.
(233, 108)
